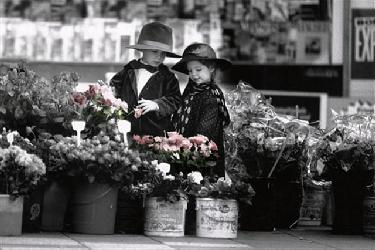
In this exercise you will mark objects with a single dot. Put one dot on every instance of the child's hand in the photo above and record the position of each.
(147, 106)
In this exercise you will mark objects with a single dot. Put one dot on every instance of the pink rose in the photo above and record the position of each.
(198, 140)
(186, 144)
(79, 99)
(92, 91)
(212, 145)
(148, 139)
(136, 138)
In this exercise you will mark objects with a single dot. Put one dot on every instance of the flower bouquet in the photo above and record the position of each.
(30, 101)
(184, 154)
(97, 105)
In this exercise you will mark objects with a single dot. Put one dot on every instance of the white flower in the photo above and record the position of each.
(195, 177)
(169, 177)
(164, 167)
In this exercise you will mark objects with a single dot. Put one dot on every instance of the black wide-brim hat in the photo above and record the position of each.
(155, 36)
(199, 52)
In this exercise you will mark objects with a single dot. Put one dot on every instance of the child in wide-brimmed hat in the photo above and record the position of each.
(203, 109)
(147, 84)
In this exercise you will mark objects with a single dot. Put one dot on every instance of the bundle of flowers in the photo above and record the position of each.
(184, 154)
(156, 180)
(19, 171)
(97, 105)
(220, 188)
(261, 143)
(98, 159)
(29, 100)
(349, 146)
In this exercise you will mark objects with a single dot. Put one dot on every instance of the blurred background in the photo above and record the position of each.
(314, 54)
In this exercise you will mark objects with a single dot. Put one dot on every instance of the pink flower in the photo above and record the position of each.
(212, 145)
(172, 133)
(186, 144)
(158, 139)
(198, 140)
(79, 99)
(92, 91)
(148, 139)
(137, 138)
(137, 112)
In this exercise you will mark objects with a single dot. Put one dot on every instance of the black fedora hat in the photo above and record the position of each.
(155, 36)
(200, 51)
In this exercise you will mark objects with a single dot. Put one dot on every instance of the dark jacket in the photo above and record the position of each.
(162, 87)
(204, 117)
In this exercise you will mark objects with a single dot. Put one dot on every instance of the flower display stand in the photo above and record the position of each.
(55, 202)
(369, 215)
(10, 215)
(163, 218)
(216, 218)
(94, 208)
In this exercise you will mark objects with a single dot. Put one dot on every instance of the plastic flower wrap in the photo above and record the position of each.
(19, 171)
(97, 105)
(184, 154)
(261, 143)
(29, 100)
(349, 146)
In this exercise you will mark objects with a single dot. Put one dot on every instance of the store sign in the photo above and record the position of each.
(363, 44)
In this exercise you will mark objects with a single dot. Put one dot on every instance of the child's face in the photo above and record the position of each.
(199, 72)
(153, 57)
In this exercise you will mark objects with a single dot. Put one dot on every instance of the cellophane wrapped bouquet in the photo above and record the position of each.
(349, 147)
(261, 143)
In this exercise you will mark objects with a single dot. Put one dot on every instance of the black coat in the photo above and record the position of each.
(204, 117)
(162, 87)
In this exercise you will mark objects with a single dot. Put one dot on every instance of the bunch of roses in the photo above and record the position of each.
(98, 105)
(184, 154)
(175, 142)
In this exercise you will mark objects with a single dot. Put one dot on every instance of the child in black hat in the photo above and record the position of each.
(147, 84)
(203, 109)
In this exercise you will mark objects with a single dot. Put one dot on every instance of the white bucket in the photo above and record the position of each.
(10, 215)
(163, 218)
(217, 218)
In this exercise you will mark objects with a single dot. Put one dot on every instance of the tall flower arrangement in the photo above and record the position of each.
(97, 105)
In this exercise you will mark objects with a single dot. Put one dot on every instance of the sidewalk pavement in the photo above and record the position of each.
(302, 238)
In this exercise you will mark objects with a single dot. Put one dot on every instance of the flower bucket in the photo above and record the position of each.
(10, 215)
(217, 218)
(312, 208)
(369, 215)
(163, 218)
(55, 202)
(94, 208)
